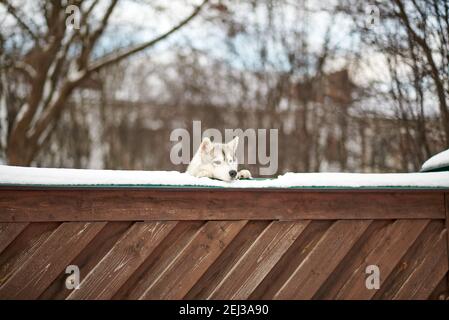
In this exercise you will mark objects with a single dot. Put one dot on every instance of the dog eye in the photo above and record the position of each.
(217, 162)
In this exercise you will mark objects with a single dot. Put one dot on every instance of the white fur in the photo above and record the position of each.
(217, 160)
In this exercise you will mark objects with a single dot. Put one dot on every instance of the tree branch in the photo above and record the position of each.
(13, 11)
(124, 53)
(402, 15)
(89, 42)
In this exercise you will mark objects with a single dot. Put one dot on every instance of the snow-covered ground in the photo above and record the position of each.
(10, 175)
(439, 160)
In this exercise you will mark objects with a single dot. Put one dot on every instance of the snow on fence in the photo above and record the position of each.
(223, 243)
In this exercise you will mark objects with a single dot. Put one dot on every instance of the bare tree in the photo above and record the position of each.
(427, 26)
(412, 35)
(54, 61)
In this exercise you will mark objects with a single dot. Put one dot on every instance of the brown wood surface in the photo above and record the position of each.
(88, 258)
(441, 291)
(225, 262)
(305, 281)
(413, 259)
(294, 256)
(231, 259)
(193, 261)
(353, 260)
(399, 237)
(258, 260)
(217, 204)
(224, 244)
(160, 259)
(122, 260)
(52, 256)
(9, 231)
(23, 247)
(426, 276)
(446, 197)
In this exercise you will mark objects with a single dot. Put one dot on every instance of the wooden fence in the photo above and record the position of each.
(223, 243)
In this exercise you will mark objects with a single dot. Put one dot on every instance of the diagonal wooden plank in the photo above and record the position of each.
(122, 260)
(23, 247)
(410, 261)
(441, 291)
(386, 255)
(425, 277)
(225, 262)
(193, 261)
(355, 257)
(288, 263)
(252, 267)
(439, 272)
(9, 231)
(58, 250)
(165, 253)
(322, 260)
(88, 258)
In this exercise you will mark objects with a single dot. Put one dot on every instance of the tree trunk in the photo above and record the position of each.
(17, 155)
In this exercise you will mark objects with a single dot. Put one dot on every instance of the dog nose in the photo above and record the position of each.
(232, 173)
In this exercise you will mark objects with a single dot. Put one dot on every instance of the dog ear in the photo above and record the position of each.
(206, 146)
(233, 144)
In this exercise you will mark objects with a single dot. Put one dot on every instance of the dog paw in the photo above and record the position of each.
(244, 174)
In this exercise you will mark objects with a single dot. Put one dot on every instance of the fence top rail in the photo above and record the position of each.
(37, 204)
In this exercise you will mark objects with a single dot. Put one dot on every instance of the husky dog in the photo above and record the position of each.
(217, 160)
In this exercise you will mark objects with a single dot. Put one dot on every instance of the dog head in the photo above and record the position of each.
(219, 159)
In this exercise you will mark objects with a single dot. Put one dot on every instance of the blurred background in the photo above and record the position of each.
(351, 86)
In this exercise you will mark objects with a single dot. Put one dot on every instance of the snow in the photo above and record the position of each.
(10, 175)
(437, 161)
